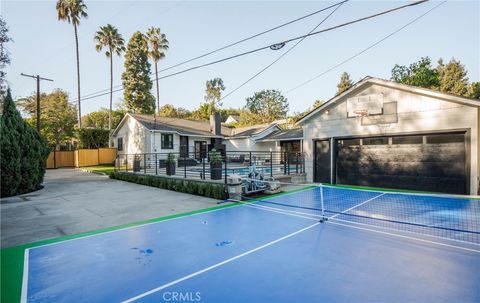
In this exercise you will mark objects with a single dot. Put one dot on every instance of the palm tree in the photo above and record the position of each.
(109, 38)
(72, 11)
(158, 43)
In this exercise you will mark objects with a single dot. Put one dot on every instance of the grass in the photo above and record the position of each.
(100, 169)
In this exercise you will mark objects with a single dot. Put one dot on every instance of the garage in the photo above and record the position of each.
(425, 162)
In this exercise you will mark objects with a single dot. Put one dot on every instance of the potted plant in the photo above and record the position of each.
(170, 164)
(215, 158)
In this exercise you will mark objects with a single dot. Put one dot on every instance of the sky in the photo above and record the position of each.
(45, 46)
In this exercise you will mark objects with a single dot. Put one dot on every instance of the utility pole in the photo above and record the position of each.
(38, 78)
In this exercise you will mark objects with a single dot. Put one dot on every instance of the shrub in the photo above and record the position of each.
(212, 190)
(92, 137)
(23, 152)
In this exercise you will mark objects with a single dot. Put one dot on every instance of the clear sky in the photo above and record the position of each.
(43, 45)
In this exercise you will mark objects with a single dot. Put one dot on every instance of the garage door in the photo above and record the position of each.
(434, 162)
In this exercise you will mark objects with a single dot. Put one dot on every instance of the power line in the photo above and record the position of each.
(366, 49)
(38, 78)
(235, 43)
(282, 55)
(268, 46)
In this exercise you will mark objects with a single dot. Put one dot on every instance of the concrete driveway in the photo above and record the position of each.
(74, 201)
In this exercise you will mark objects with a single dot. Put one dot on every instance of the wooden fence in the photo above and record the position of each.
(81, 157)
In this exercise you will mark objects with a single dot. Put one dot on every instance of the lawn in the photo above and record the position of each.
(103, 169)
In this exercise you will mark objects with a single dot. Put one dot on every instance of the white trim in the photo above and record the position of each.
(24, 296)
(219, 264)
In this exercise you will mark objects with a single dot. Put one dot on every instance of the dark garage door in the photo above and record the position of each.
(434, 163)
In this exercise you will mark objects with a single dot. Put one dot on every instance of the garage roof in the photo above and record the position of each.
(395, 85)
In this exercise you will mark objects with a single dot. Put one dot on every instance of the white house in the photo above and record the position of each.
(382, 133)
(138, 134)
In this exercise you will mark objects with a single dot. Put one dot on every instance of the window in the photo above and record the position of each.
(119, 144)
(349, 142)
(408, 140)
(167, 141)
(375, 141)
(446, 138)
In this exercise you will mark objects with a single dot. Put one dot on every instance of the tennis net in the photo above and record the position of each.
(445, 216)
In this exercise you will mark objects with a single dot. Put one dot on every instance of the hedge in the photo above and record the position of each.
(211, 190)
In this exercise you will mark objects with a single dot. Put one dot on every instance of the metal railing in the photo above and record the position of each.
(205, 166)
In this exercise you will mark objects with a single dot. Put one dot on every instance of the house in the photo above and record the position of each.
(139, 134)
(385, 134)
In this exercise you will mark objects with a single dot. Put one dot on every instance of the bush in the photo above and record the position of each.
(211, 190)
(92, 137)
(23, 152)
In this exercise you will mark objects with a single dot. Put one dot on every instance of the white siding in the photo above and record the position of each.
(416, 113)
(133, 134)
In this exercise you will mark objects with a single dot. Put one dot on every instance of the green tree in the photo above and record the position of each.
(109, 37)
(23, 152)
(4, 55)
(419, 73)
(453, 77)
(100, 118)
(158, 44)
(57, 118)
(93, 137)
(170, 111)
(267, 105)
(213, 93)
(72, 11)
(136, 77)
(345, 83)
(474, 90)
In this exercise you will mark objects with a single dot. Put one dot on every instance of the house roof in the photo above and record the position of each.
(284, 135)
(251, 130)
(391, 84)
(180, 126)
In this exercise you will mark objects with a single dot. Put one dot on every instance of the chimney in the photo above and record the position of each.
(215, 124)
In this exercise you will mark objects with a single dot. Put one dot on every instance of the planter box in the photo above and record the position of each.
(216, 170)
(170, 168)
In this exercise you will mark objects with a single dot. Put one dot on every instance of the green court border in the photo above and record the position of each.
(12, 258)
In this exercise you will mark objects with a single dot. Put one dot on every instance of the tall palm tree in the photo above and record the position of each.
(109, 38)
(72, 11)
(158, 44)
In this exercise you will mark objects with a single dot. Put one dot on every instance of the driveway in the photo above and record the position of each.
(74, 201)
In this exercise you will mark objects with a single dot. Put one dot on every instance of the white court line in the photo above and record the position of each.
(279, 211)
(353, 207)
(25, 277)
(218, 264)
(406, 237)
(288, 212)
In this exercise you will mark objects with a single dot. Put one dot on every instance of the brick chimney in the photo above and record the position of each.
(215, 124)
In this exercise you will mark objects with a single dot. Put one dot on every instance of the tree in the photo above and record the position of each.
(170, 111)
(136, 77)
(23, 152)
(419, 73)
(267, 105)
(4, 55)
(72, 11)
(109, 37)
(213, 93)
(57, 118)
(453, 77)
(474, 90)
(344, 84)
(158, 44)
(93, 137)
(100, 118)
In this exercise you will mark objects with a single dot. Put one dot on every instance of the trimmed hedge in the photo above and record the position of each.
(211, 190)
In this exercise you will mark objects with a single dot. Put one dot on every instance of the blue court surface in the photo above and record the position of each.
(374, 247)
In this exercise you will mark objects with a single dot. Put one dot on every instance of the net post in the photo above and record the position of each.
(322, 206)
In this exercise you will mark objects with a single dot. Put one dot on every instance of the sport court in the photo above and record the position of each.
(374, 247)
